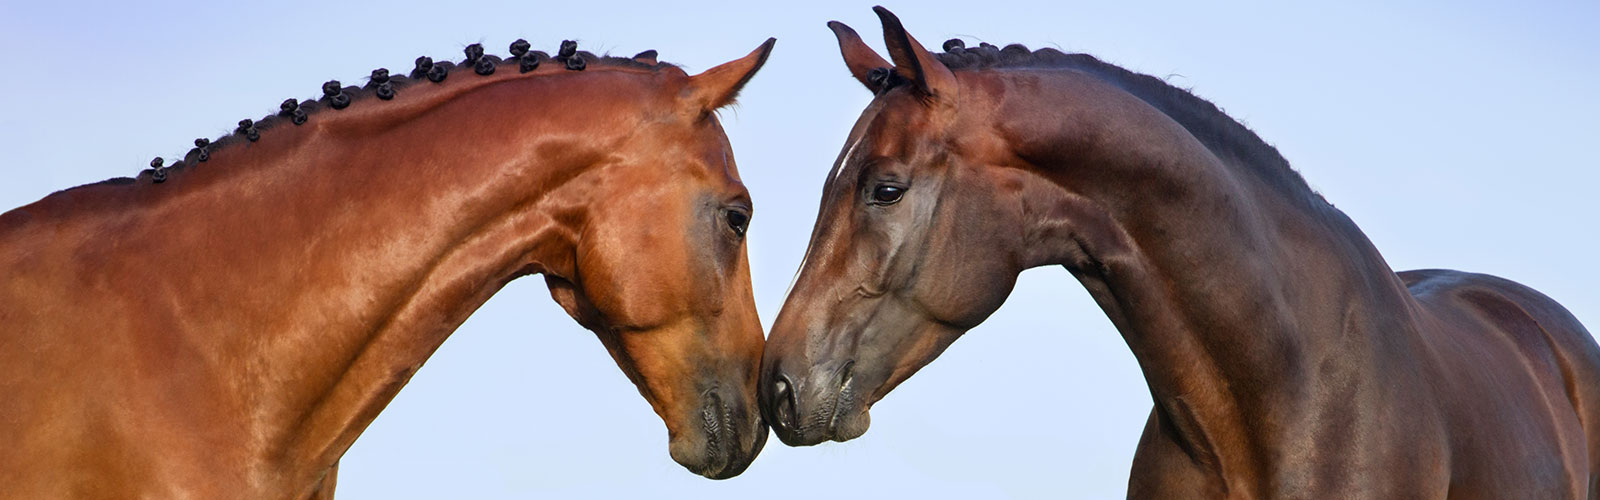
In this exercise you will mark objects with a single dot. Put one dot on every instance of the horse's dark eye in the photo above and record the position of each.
(738, 221)
(885, 194)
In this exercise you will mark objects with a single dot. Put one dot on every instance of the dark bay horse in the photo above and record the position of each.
(226, 326)
(1284, 357)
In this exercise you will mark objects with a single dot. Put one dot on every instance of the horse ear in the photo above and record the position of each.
(860, 58)
(717, 87)
(912, 61)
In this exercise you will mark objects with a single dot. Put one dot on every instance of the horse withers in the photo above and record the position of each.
(1284, 357)
(225, 326)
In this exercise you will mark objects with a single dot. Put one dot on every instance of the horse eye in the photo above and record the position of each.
(885, 194)
(738, 221)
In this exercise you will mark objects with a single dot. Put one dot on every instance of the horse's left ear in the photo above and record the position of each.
(717, 87)
(858, 57)
(913, 62)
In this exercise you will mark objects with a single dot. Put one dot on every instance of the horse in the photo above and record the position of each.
(1285, 359)
(227, 325)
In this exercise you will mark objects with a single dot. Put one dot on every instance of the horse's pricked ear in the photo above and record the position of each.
(860, 58)
(913, 61)
(717, 87)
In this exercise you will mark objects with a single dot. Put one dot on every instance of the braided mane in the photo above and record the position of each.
(385, 87)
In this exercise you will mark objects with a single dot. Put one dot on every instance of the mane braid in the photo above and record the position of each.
(398, 82)
(1200, 117)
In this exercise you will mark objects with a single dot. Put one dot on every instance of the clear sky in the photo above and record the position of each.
(1458, 135)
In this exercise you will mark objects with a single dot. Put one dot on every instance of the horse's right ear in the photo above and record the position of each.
(717, 87)
(858, 56)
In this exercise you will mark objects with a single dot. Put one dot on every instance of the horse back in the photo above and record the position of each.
(1550, 345)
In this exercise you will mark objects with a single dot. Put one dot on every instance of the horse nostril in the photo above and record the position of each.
(783, 399)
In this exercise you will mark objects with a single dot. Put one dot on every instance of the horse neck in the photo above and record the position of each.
(348, 250)
(1236, 294)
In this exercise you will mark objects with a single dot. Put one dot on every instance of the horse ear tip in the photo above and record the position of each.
(841, 31)
(885, 15)
(890, 21)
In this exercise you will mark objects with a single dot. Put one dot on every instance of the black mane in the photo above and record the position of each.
(1200, 117)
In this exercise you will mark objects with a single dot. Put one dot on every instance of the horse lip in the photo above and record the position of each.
(735, 466)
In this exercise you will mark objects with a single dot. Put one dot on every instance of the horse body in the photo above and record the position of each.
(1310, 369)
(1479, 321)
(1285, 359)
(229, 332)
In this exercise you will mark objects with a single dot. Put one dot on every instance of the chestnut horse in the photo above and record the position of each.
(225, 327)
(1284, 357)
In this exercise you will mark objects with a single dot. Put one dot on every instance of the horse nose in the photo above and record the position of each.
(783, 403)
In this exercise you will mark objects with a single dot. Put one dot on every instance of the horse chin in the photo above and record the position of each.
(851, 426)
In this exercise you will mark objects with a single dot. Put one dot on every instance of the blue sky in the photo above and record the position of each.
(1458, 135)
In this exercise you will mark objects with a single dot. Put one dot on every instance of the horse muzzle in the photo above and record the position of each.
(725, 436)
(825, 406)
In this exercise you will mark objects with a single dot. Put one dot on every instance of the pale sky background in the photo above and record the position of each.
(1459, 134)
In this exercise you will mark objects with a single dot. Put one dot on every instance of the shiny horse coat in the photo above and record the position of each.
(1284, 357)
(225, 327)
